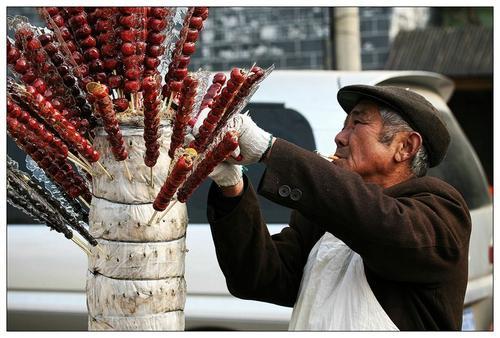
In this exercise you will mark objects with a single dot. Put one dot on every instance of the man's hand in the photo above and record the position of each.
(229, 178)
(226, 174)
(253, 140)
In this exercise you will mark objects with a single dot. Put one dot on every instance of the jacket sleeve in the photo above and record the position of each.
(401, 234)
(256, 265)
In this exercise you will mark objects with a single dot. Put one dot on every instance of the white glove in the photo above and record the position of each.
(253, 141)
(226, 175)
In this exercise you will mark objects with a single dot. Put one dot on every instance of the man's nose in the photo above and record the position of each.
(341, 139)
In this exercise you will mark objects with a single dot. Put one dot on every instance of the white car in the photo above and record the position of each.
(47, 274)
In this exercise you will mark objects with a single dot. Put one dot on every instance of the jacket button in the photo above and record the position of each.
(284, 191)
(296, 194)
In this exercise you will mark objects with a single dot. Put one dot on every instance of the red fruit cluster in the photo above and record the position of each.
(29, 59)
(45, 149)
(64, 127)
(54, 144)
(236, 90)
(22, 66)
(104, 108)
(72, 103)
(219, 107)
(83, 33)
(56, 19)
(228, 144)
(186, 102)
(184, 47)
(152, 102)
(156, 23)
(256, 73)
(133, 46)
(173, 181)
(207, 102)
(105, 23)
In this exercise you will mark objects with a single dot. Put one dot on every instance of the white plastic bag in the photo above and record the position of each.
(334, 294)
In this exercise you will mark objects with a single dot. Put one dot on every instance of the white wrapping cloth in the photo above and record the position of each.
(334, 294)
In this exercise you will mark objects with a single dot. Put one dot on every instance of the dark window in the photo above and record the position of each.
(461, 167)
(281, 122)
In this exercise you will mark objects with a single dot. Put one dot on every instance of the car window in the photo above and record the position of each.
(461, 167)
(281, 122)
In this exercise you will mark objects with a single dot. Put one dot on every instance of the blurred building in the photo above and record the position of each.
(289, 38)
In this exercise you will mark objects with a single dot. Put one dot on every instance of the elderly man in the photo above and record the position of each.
(372, 244)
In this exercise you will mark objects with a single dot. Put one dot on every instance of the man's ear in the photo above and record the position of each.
(408, 145)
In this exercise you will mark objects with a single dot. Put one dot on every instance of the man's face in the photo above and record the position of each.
(358, 146)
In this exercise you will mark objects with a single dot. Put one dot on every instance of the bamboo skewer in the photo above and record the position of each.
(150, 222)
(101, 250)
(171, 98)
(151, 172)
(167, 210)
(128, 171)
(78, 159)
(84, 202)
(132, 102)
(81, 165)
(85, 161)
(104, 169)
(81, 245)
(329, 158)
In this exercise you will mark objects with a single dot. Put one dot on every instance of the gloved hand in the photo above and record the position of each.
(226, 174)
(253, 141)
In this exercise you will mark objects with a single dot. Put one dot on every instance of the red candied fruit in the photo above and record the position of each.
(219, 78)
(132, 86)
(188, 48)
(196, 22)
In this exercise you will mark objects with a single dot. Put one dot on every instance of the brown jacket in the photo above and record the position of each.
(413, 237)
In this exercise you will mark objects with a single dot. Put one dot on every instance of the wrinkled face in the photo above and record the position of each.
(358, 146)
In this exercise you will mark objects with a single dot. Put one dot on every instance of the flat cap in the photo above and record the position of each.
(419, 113)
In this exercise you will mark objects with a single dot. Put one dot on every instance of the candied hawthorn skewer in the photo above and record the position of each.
(54, 144)
(176, 72)
(186, 102)
(256, 73)
(157, 23)
(132, 49)
(50, 161)
(181, 55)
(108, 42)
(22, 198)
(24, 201)
(26, 183)
(151, 99)
(49, 80)
(236, 90)
(106, 39)
(80, 111)
(78, 20)
(221, 151)
(104, 109)
(57, 20)
(207, 102)
(176, 177)
(59, 123)
(219, 107)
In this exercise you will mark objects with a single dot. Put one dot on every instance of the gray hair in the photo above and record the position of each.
(394, 123)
